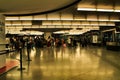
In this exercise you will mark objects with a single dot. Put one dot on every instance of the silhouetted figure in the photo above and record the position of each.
(29, 47)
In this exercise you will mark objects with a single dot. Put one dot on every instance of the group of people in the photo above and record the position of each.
(21, 42)
(39, 42)
(84, 41)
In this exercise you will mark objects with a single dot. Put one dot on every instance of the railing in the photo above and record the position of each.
(2, 52)
(6, 51)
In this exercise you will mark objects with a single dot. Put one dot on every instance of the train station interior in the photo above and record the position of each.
(60, 40)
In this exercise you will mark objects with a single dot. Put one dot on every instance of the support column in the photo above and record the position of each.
(47, 34)
(2, 40)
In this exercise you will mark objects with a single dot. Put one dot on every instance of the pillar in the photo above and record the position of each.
(47, 34)
(2, 40)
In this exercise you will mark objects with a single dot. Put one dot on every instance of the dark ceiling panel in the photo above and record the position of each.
(36, 22)
(47, 29)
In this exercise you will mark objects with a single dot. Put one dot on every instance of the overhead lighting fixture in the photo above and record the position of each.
(33, 32)
(116, 10)
(115, 20)
(92, 20)
(60, 32)
(18, 31)
(67, 24)
(80, 19)
(12, 18)
(103, 20)
(86, 9)
(25, 18)
(105, 10)
(98, 9)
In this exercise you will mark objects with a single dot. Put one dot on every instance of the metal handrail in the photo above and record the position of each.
(2, 52)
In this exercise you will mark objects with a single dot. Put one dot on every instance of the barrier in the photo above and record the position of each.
(2, 52)
(21, 67)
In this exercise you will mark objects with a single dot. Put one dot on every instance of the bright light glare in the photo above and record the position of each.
(100, 10)
(116, 10)
(105, 10)
(86, 9)
(74, 31)
(17, 31)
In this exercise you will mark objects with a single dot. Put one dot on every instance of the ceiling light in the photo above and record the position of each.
(59, 32)
(12, 18)
(115, 20)
(105, 10)
(98, 9)
(86, 9)
(116, 10)
(103, 20)
(92, 20)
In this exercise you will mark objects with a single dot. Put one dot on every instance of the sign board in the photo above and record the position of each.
(94, 39)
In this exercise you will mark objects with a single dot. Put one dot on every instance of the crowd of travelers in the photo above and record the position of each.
(39, 42)
(84, 41)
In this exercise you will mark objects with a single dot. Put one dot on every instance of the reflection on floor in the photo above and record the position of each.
(74, 63)
(10, 64)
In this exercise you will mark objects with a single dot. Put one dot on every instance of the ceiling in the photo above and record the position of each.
(45, 15)
(20, 7)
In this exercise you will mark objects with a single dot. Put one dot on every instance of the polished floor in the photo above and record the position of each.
(73, 63)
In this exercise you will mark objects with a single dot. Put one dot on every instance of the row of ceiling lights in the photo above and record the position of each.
(71, 18)
(99, 10)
